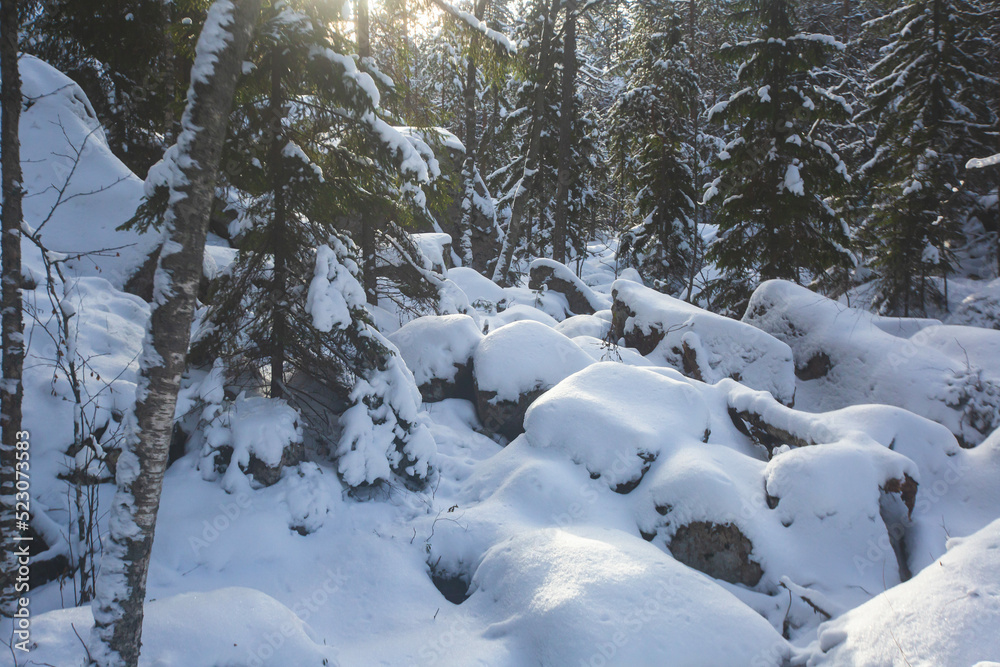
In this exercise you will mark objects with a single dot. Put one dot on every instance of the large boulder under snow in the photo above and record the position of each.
(541, 590)
(845, 356)
(438, 351)
(702, 345)
(516, 364)
(616, 420)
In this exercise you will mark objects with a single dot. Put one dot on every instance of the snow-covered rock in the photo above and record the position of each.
(254, 435)
(438, 351)
(64, 149)
(514, 365)
(845, 356)
(540, 591)
(702, 345)
(615, 420)
(584, 325)
(553, 276)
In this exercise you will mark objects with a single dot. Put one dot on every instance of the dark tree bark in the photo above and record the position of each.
(566, 117)
(279, 243)
(11, 388)
(368, 244)
(121, 586)
(501, 273)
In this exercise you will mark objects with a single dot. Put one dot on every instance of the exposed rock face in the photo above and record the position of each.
(505, 418)
(461, 386)
(644, 342)
(719, 550)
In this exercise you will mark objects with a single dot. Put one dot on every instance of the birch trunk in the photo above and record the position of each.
(121, 585)
(11, 389)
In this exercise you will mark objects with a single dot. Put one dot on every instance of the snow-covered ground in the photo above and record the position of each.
(727, 498)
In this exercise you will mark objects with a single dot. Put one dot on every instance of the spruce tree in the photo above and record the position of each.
(930, 101)
(653, 151)
(779, 174)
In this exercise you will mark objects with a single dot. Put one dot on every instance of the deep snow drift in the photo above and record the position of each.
(781, 490)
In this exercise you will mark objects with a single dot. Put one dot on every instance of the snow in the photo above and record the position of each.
(434, 346)
(478, 287)
(102, 194)
(981, 163)
(948, 614)
(226, 626)
(525, 356)
(724, 347)
(584, 325)
(564, 539)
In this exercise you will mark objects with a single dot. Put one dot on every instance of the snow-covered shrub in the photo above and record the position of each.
(383, 432)
(981, 308)
(701, 344)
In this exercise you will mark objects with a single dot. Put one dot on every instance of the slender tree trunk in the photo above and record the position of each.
(121, 585)
(695, 239)
(566, 117)
(279, 244)
(501, 274)
(368, 246)
(469, 168)
(11, 388)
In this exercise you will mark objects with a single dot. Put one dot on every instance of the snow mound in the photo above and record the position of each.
(519, 312)
(434, 347)
(603, 597)
(615, 420)
(226, 626)
(584, 325)
(844, 356)
(524, 357)
(948, 614)
(63, 142)
(701, 344)
(480, 289)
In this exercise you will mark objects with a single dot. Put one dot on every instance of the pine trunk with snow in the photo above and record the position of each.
(11, 389)
(501, 273)
(121, 588)
(566, 120)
